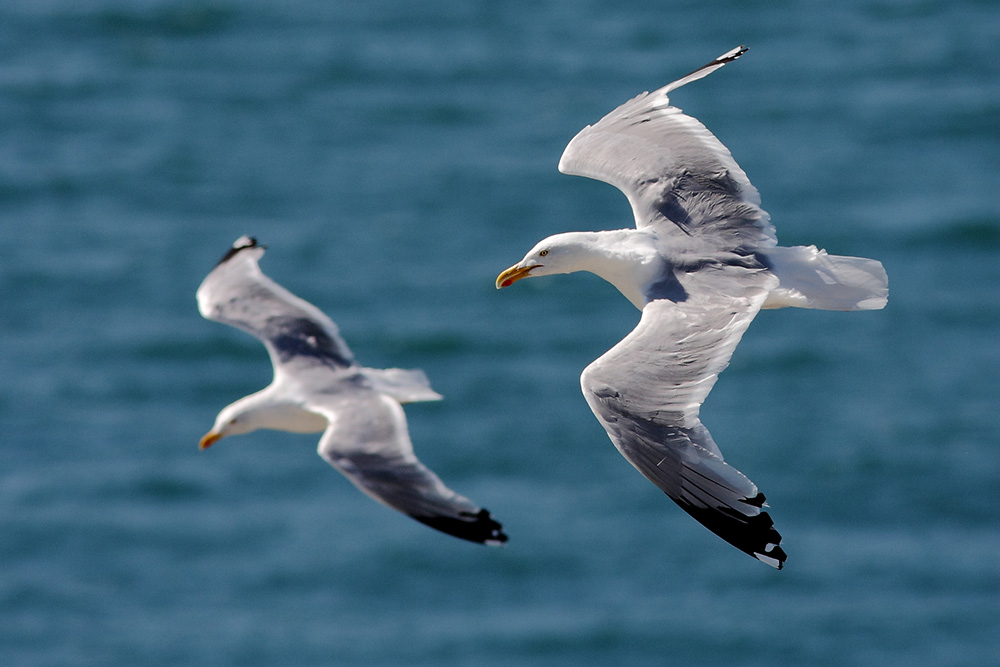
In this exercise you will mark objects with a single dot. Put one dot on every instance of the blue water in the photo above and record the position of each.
(395, 156)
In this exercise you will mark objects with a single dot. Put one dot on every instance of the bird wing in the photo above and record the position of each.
(295, 332)
(369, 443)
(677, 175)
(647, 392)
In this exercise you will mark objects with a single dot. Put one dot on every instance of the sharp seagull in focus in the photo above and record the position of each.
(702, 260)
(318, 386)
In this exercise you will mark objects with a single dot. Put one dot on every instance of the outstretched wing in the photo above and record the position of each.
(368, 442)
(294, 331)
(677, 175)
(647, 392)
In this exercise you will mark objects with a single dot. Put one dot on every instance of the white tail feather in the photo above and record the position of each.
(810, 278)
(406, 386)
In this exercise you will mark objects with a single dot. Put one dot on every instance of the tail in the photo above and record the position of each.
(406, 386)
(810, 278)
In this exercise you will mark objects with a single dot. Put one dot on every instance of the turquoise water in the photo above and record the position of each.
(395, 158)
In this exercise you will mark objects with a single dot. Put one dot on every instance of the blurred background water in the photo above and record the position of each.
(395, 156)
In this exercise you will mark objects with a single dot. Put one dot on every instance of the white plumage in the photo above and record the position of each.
(701, 262)
(318, 386)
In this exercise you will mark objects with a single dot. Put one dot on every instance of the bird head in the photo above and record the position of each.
(550, 256)
(235, 419)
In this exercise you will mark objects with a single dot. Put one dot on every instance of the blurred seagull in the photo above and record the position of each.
(701, 262)
(318, 386)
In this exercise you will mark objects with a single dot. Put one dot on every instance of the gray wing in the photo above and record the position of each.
(294, 331)
(677, 175)
(369, 443)
(647, 392)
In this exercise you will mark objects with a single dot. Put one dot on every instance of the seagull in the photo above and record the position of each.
(701, 261)
(318, 386)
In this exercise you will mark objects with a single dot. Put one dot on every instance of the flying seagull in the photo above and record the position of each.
(702, 260)
(318, 386)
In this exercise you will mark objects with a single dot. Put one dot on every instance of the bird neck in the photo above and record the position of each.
(263, 411)
(626, 258)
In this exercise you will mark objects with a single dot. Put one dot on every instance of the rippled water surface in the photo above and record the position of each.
(395, 157)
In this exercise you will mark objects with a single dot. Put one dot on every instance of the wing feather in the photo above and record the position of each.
(368, 442)
(678, 177)
(647, 392)
(293, 330)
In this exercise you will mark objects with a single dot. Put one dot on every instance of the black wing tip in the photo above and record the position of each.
(773, 555)
(734, 54)
(757, 501)
(707, 68)
(725, 58)
(753, 535)
(477, 527)
(242, 243)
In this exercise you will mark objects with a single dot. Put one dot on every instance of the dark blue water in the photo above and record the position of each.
(395, 157)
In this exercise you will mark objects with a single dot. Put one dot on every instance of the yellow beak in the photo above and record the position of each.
(513, 274)
(208, 439)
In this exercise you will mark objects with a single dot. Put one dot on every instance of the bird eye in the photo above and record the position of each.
(543, 253)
